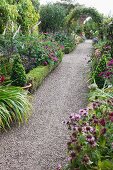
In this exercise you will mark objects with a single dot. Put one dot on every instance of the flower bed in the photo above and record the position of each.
(91, 141)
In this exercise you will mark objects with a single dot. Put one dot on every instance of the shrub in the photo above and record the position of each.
(38, 50)
(37, 75)
(52, 17)
(100, 68)
(18, 75)
(14, 105)
(65, 40)
(28, 17)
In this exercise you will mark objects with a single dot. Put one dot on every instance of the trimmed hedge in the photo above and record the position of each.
(38, 74)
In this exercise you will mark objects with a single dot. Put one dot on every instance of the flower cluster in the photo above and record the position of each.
(90, 127)
(108, 73)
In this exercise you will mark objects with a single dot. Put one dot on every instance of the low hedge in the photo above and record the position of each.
(38, 74)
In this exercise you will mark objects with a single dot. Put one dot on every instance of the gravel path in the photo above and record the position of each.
(41, 144)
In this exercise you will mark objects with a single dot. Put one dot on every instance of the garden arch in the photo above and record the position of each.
(83, 13)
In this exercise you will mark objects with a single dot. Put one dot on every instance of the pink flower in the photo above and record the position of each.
(110, 63)
(62, 47)
(75, 117)
(45, 63)
(55, 59)
(59, 167)
(83, 112)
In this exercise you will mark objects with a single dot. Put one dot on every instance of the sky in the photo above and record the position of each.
(103, 6)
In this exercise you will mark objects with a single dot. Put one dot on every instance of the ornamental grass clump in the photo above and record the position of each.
(18, 75)
(14, 106)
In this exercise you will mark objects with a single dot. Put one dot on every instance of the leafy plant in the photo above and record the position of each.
(18, 75)
(91, 137)
(65, 40)
(14, 105)
(52, 17)
(100, 68)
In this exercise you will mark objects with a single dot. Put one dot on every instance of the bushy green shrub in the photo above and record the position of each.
(18, 75)
(37, 50)
(28, 17)
(22, 13)
(66, 41)
(52, 17)
(38, 74)
(100, 68)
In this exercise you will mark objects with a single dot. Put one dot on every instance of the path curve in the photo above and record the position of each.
(41, 144)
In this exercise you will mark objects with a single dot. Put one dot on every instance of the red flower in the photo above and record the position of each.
(111, 114)
(2, 78)
(102, 122)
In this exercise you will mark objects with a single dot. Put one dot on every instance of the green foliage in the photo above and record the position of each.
(78, 12)
(3, 18)
(90, 146)
(100, 68)
(36, 5)
(52, 17)
(38, 50)
(28, 17)
(37, 75)
(14, 105)
(90, 28)
(18, 75)
(66, 41)
(21, 13)
(105, 165)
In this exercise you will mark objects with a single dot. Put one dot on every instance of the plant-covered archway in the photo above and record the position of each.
(81, 13)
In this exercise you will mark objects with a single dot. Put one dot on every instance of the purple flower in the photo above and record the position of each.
(75, 117)
(96, 105)
(90, 138)
(101, 74)
(45, 63)
(102, 122)
(110, 63)
(59, 167)
(87, 129)
(83, 112)
(55, 59)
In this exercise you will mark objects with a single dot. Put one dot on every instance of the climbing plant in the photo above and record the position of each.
(83, 12)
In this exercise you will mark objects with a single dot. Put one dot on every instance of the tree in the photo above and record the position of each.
(21, 12)
(52, 17)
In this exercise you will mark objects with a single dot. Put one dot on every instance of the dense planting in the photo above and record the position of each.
(91, 141)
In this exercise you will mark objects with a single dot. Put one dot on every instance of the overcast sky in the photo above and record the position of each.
(103, 6)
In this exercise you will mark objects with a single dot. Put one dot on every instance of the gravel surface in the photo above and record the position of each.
(41, 144)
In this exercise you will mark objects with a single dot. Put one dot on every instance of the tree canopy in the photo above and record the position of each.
(21, 12)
